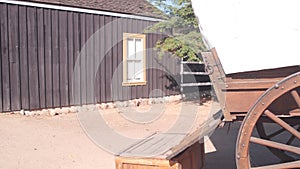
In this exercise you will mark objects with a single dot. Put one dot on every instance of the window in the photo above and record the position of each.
(134, 59)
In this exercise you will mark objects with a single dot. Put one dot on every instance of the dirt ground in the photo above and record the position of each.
(59, 142)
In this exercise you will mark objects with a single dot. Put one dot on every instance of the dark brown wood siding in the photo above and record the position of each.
(53, 58)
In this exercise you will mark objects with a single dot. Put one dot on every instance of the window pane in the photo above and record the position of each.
(130, 48)
(139, 73)
(139, 49)
(130, 70)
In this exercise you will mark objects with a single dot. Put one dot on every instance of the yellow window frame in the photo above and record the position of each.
(126, 36)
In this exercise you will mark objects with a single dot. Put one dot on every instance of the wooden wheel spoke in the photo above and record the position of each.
(296, 97)
(276, 145)
(282, 124)
(292, 138)
(294, 164)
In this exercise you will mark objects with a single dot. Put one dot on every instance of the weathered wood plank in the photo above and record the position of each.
(13, 42)
(23, 58)
(41, 56)
(48, 57)
(150, 71)
(71, 53)
(5, 59)
(55, 58)
(96, 65)
(115, 88)
(126, 90)
(1, 34)
(33, 58)
(83, 58)
(140, 89)
(102, 57)
(63, 58)
(89, 60)
(76, 89)
(108, 57)
(120, 58)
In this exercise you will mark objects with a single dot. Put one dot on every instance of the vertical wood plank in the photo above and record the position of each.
(63, 58)
(48, 57)
(140, 89)
(70, 49)
(108, 57)
(55, 58)
(89, 59)
(115, 77)
(120, 59)
(5, 58)
(83, 58)
(23, 58)
(76, 89)
(1, 34)
(96, 65)
(103, 59)
(41, 56)
(13, 35)
(149, 57)
(33, 58)
(126, 90)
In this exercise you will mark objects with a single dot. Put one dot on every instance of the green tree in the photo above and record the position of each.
(184, 39)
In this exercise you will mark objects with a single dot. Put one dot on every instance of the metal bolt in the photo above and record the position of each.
(276, 86)
(263, 103)
(238, 157)
(243, 145)
(295, 82)
(282, 88)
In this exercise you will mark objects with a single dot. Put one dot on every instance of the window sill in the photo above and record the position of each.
(134, 83)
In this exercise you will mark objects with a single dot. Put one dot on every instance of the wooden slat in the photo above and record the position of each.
(13, 35)
(83, 68)
(120, 58)
(5, 59)
(126, 91)
(97, 49)
(108, 56)
(196, 84)
(33, 58)
(276, 145)
(139, 89)
(55, 58)
(116, 89)
(23, 58)
(103, 60)
(76, 89)
(282, 124)
(63, 58)
(71, 53)
(48, 57)
(41, 57)
(1, 34)
(89, 60)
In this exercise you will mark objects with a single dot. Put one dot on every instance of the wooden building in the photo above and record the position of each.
(57, 53)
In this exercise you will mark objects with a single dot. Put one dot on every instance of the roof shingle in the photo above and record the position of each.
(135, 7)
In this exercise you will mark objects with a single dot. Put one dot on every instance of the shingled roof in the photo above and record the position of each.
(135, 7)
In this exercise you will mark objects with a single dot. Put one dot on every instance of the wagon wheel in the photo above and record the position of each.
(262, 130)
(263, 112)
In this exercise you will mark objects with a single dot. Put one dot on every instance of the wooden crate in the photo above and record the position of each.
(190, 158)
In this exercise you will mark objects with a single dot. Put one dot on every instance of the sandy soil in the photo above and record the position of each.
(35, 142)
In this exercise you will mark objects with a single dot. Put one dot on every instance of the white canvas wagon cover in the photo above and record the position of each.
(251, 34)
